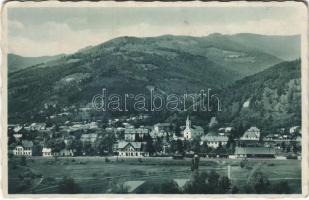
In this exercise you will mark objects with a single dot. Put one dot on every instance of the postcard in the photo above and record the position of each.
(155, 98)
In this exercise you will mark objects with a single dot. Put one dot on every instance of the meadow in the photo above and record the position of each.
(99, 174)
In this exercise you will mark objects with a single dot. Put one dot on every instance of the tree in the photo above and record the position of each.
(149, 145)
(56, 145)
(68, 186)
(195, 145)
(77, 145)
(203, 183)
(169, 187)
(158, 145)
(259, 182)
(281, 188)
(120, 188)
(37, 149)
(197, 184)
(23, 161)
(224, 184)
(213, 180)
(178, 147)
(195, 163)
(235, 189)
(106, 143)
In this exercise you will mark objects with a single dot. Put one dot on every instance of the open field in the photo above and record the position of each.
(98, 175)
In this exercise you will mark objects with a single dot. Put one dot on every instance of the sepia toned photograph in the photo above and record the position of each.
(155, 98)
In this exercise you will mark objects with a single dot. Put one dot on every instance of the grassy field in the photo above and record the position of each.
(96, 175)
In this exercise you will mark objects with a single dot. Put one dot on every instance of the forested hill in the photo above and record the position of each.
(268, 99)
(174, 64)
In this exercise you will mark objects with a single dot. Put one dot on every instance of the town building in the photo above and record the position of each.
(252, 134)
(162, 130)
(135, 134)
(91, 137)
(66, 152)
(17, 128)
(213, 122)
(130, 149)
(47, 152)
(37, 126)
(162, 127)
(295, 129)
(192, 131)
(254, 152)
(214, 140)
(17, 136)
(25, 149)
(225, 131)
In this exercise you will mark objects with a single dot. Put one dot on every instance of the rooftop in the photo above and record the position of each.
(254, 150)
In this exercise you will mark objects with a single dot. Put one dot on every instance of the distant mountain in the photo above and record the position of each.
(269, 99)
(284, 47)
(174, 64)
(16, 62)
(220, 49)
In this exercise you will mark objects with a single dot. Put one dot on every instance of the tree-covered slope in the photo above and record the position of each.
(269, 99)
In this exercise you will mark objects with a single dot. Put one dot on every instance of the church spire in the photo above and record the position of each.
(188, 123)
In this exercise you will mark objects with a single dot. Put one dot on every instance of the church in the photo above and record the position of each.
(192, 131)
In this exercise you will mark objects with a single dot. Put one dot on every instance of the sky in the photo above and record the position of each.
(51, 31)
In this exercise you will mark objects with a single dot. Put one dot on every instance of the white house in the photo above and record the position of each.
(214, 140)
(130, 149)
(25, 149)
(252, 134)
(294, 129)
(47, 152)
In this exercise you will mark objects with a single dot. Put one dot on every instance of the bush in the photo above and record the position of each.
(120, 189)
(169, 187)
(14, 165)
(249, 189)
(291, 156)
(235, 190)
(243, 163)
(68, 186)
(107, 160)
(259, 182)
(137, 172)
(140, 160)
(281, 188)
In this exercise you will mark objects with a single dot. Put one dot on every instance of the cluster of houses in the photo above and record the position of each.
(132, 141)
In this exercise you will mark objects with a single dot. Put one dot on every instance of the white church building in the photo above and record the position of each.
(191, 131)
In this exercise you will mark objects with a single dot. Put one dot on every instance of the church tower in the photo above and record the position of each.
(188, 123)
(187, 133)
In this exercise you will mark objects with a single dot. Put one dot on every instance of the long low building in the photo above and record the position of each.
(254, 152)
